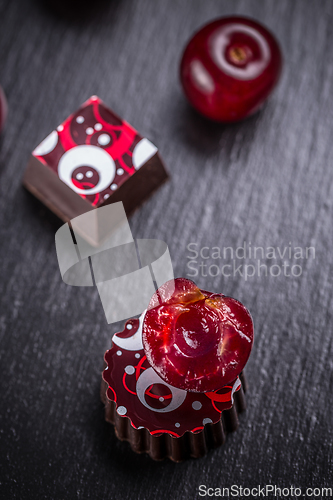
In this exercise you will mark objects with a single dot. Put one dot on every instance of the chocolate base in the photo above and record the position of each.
(190, 445)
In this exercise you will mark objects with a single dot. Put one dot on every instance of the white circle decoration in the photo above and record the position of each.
(60, 128)
(196, 405)
(89, 131)
(120, 171)
(98, 126)
(129, 326)
(137, 355)
(79, 176)
(89, 174)
(119, 353)
(143, 151)
(207, 421)
(113, 187)
(129, 369)
(161, 399)
(103, 139)
(47, 145)
(235, 388)
(177, 424)
(133, 343)
(79, 119)
(122, 410)
(106, 196)
(149, 377)
(91, 156)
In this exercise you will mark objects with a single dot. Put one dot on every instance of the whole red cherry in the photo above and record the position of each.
(3, 109)
(230, 67)
(196, 340)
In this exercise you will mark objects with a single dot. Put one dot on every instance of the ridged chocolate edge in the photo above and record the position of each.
(189, 445)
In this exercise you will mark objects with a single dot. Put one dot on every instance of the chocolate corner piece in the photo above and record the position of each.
(45, 185)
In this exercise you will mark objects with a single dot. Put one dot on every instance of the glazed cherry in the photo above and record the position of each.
(229, 68)
(196, 340)
(3, 109)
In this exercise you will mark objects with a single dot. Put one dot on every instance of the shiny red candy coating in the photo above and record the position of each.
(92, 151)
(196, 340)
(230, 67)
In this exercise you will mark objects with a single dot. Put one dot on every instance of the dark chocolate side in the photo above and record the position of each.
(140, 185)
(44, 183)
(190, 445)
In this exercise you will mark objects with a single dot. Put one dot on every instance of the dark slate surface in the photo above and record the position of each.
(268, 181)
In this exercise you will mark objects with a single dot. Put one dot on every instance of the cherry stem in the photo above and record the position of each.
(238, 54)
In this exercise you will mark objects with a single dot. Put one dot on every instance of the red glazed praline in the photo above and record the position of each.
(92, 159)
(160, 417)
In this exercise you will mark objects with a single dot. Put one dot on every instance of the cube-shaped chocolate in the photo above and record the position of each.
(93, 158)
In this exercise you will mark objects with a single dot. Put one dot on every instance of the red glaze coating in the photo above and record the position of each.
(230, 67)
(3, 109)
(196, 340)
(142, 396)
(93, 151)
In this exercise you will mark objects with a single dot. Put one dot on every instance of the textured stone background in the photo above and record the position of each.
(268, 181)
